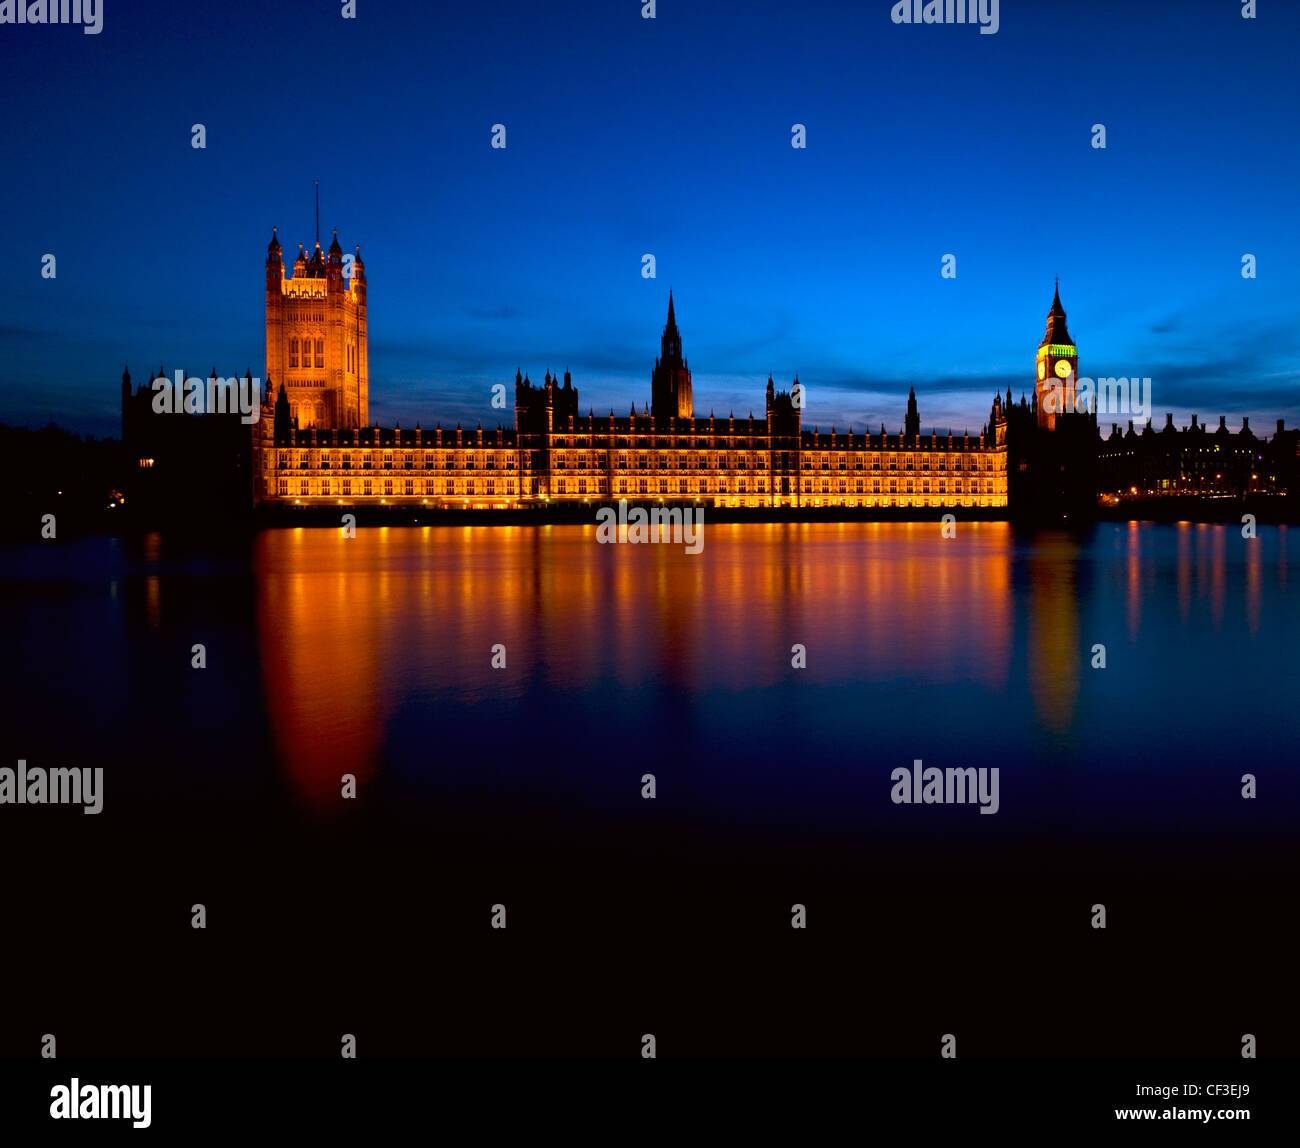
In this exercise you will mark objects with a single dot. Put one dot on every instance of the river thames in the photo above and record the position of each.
(501, 694)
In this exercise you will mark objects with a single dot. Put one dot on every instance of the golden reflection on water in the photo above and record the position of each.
(351, 630)
(1054, 650)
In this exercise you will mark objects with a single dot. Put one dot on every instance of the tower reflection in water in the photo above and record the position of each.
(380, 648)
(351, 630)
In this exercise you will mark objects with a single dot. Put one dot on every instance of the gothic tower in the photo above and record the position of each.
(316, 335)
(670, 382)
(1058, 367)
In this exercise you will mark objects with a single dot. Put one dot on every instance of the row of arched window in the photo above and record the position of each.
(304, 357)
(306, 353)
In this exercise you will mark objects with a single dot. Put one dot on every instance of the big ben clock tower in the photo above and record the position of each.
(1057, 366)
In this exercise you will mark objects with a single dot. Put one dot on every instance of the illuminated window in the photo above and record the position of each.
(293, 352)
(388, 486)
(320, 353)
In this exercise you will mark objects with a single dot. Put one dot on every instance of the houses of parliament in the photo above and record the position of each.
(313, 443)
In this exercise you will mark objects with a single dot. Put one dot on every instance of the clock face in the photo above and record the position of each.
(1042, 369)
(1062, 368)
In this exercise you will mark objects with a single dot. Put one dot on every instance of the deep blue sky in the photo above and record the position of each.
(669, 136)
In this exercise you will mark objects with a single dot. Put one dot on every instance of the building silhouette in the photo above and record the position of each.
(1195, 460)
(179, 461)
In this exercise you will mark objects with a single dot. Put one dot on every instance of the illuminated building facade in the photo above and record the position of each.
(316, 335)
(555, 455)
(312, 446)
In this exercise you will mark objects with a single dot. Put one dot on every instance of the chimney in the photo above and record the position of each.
(1223, 422)
(1169, 418)
(1130, 426)
(1279, 426)
(1245, 424)
(1114, 429)
(1193, 422)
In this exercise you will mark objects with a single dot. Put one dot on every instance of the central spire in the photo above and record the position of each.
(670, 382)
(671, 344)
